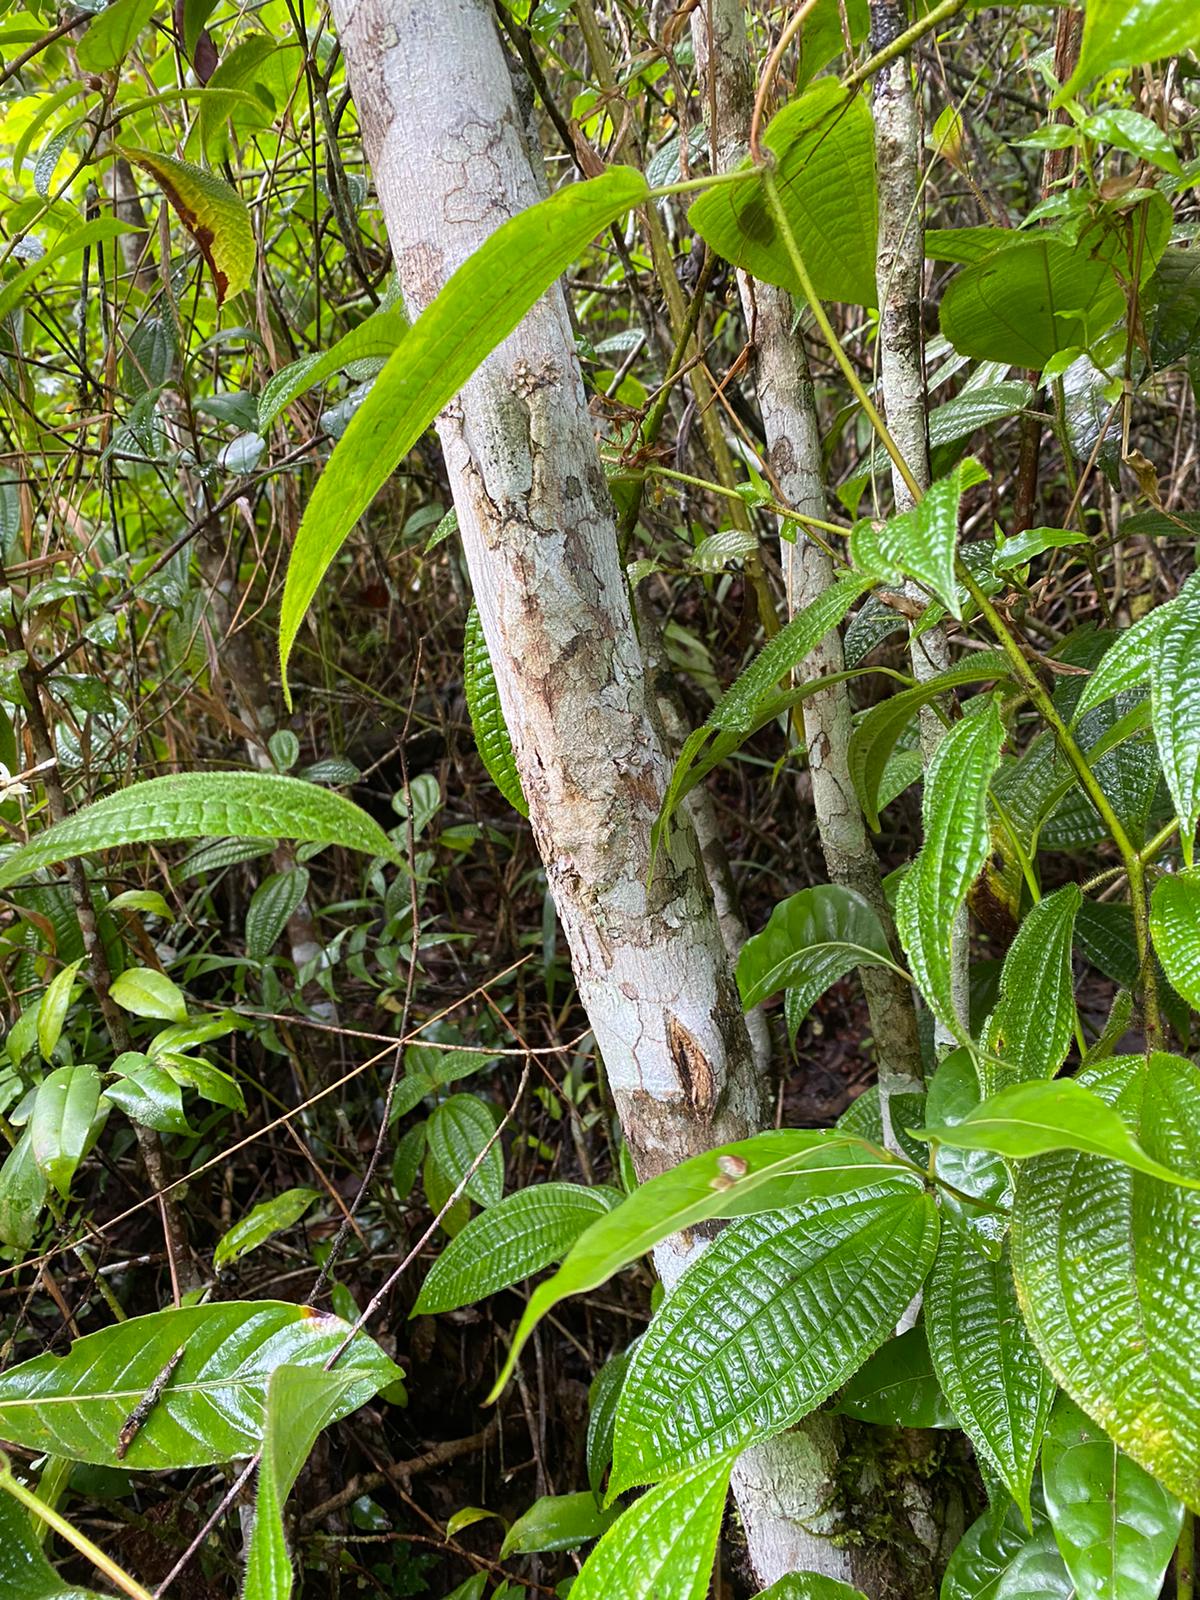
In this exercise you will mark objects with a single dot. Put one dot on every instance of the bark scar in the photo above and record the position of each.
(695, 1073)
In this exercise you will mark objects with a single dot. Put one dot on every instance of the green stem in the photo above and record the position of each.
(903, 42)
(116, 1575)
(1185, 1558)
(830, 336)
(1130, 858)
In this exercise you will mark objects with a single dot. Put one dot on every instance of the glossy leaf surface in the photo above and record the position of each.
(1034, 1022)
(1175, 929)
(739, 1179)
(272, 1216)
(775, 1315)
(487, 716)
(1107, 1261)
(200, 805)
(664, 1544)
(956, 845)
(1116, 1528)
(212, 1409)
(511, 1240)
(811, 940)
(987, 1364)
(898, 1386)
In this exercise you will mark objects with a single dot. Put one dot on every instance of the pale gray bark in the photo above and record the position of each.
(899, 270)
(785, 396)
(445, 145)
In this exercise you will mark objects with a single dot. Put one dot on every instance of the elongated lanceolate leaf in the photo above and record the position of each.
(664, 1544)
(775, 1314)
(1115, 1527)
(513, 1239)
(374, 339)
(479, 306)
(558, 1522)
(823, 145)
(810, 941)
(956, 845)
(1175, 929)
(487, 716)
(198, 805)
(1107, 1260)
(1126, 663)
(1175, 709)
(739, 1179)
(878, 731)
(1033, 1023)
(921, 543)
(63, 1113)
(739, 709)
(272, 1216)
(986, 1362)
(213, 1406)
(301, 1401)
(215, 215)
(1031, 1119)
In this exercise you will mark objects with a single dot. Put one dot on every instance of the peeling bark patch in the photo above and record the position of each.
(695, 1072)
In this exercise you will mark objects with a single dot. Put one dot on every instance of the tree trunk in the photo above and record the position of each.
(785, 397)
(444, 140)
(899, 271)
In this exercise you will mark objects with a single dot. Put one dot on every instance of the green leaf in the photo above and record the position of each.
(148, 1094)
(487, 715)
(1124, 33)
(52, 1012)
(557, 1522)
(1031, 1119)
(1116, 1528)
(22, 1194)
(147, 993)
(1126, 663)
(1175, 929)
(1038, 294)
(373, 340)
(810, 1586)
(25, 1574)
(603, 1397)
(213, 1407)
(195, 14)
(1173, 326)
(215, 215)
(458, 1130)
(301, 1402)
(823, 143)
(811, 940)
(1022, 548)
(954, 811)
(60, 1128)
(986, 1362)
(197, 805)
(112, 34)
(921, 543)
(1106, 1261)
(98, 231)
(898, 1386)
(272, 1216)
(1034, 1022)
(740, 1179)
(775, 1314)
(271, 907)
(1129, 130)
(479, 306)
(877, 732)
(740, 709)
(147, 901)
(513, 1239)
(1175, 709)
(998, 1559)
(664, 1544)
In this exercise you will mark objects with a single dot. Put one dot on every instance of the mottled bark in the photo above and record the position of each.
(899, 271)
(785, 396)
(444, 141)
